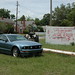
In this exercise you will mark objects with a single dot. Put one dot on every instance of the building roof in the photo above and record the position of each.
(6, 20)
(29, 23)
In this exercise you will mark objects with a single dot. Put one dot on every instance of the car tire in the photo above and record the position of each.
(15, 52)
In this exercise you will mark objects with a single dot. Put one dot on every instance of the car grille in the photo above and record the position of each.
(32, 47)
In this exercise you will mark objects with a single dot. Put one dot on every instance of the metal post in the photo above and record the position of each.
(16, 15)
(50, 12)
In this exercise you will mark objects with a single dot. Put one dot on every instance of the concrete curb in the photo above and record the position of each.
(59, 51)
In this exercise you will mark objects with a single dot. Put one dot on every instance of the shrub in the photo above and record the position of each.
(40, 29)
(72, 43)
(25, 31)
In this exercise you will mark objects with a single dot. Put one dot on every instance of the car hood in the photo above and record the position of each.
(26, 43)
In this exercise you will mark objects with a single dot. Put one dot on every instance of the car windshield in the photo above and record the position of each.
(16, 37)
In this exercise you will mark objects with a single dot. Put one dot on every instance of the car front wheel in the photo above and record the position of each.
(15, 52)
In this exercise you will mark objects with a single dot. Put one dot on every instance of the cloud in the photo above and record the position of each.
(33, 8)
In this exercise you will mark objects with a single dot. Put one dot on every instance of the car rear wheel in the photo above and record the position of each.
(15, 52)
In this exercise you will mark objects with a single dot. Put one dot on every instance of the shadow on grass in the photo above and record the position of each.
(30, 56)
(5, 54)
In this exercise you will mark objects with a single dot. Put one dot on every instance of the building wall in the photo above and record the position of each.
(22, 25)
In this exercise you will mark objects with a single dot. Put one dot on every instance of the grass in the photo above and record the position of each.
(41, 35)
(48, 64)
(59, 47)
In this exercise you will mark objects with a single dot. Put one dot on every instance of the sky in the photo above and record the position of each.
(32, 8)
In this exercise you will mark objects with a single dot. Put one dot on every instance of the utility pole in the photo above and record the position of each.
(50, 12)
(16, 14)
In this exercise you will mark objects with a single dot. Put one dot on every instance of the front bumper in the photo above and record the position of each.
(31, 52)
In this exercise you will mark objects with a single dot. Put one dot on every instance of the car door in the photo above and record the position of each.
(1, 42)
(4, 45)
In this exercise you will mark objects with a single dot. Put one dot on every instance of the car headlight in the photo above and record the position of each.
(39, 46)
(25, 47)
(32, 47)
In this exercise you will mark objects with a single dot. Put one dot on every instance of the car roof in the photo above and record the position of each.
(9, 34)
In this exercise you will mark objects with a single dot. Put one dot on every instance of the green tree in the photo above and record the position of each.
(2, 27)
(22, 18)
(4, 13)
(6, 28)
(40, 29)
(60, 13)
(73, 5)
(12, 16)
(64, 15)
(66, 23)
(45, 20)
(71, 16)
(9, 28)
(68, 8)
(37, 21)
(56, 23)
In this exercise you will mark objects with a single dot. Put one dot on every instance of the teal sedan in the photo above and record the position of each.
(18, 45)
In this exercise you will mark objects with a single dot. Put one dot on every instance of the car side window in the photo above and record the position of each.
(3, 37)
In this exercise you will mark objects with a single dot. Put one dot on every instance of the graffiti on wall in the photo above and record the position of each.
(60, 35)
